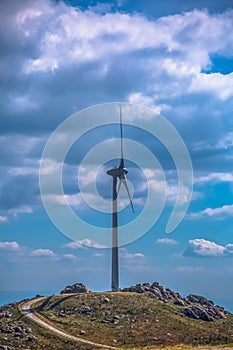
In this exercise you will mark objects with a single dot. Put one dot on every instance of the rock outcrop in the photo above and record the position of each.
(192, 306)
(75, 288)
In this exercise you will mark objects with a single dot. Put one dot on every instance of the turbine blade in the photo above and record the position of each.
(122, 165)
(119, 186)
(123, 179)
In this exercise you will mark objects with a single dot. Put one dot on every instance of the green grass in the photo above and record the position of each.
(142, 321)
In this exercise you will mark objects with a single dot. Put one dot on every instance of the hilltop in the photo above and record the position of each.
(193, 306)
(138, 316)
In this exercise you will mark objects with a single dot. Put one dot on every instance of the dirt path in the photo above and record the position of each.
(27, 309)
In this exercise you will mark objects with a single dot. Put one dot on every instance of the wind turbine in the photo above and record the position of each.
(118, 176)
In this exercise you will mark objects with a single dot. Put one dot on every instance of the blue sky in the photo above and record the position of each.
(174, 57)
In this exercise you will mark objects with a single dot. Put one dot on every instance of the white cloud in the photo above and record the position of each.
(166, 241)
(87, 36)
(226, 142)
(180, 69)
(219, 84)
(24, 209)
(41, 65)
(87, 175)
(139, 98)
(219, 213)
(21, 171)
(3, 219)
(215, 178)
(172, 192)
(84, 243)
(37, 253)
(69, 257)
(229, 247)
(49, 166)
(133, 262)
(32, 12)
(202, 247)
(9, 246)
(130, 257)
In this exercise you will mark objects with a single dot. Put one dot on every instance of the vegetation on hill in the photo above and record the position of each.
(125, 320)
(131, 319)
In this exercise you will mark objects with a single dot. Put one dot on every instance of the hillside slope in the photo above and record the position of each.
(135, 317)
(132, 319)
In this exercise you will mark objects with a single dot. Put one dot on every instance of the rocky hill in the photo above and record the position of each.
(144, 315)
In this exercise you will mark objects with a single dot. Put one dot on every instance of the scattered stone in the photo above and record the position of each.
(115, 322)
(85, 310)
(22, 329)
(18, 329)
(6, 330)
(19, 335)
(31, 339)
(5, 314)
(106, 321)
(82, 332)
(4, 347)
(105, 300)
(116, 317)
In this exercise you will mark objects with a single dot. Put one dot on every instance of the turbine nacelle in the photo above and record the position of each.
(117, 172)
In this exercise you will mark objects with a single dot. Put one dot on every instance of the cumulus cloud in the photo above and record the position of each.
(214, 178)
(3, 219)
(9, 246)
(218, 213)
(84, 243)
(166, 241)
(166, 59)
(38, 253)
(220, 84)
(205, 248)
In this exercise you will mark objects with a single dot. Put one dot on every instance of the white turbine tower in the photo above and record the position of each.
(117, 173)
